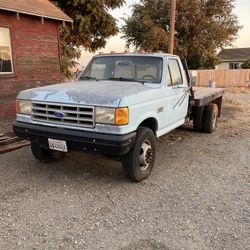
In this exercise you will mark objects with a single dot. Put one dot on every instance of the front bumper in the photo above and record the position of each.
(107, 144)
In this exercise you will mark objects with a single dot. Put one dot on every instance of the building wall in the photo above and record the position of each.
(36, 57)
(223, 65)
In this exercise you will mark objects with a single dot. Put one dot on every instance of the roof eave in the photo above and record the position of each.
(233, 59)
(37, 15)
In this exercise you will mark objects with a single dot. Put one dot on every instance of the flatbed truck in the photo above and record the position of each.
(118, 107)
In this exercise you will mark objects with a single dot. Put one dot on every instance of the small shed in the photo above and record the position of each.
(233, 58)
(29, 48)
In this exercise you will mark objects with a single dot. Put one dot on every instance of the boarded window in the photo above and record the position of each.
(5, 52)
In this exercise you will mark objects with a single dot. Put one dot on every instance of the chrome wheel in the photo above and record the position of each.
(145, 155)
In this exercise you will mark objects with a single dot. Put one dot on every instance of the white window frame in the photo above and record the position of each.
(11, 56)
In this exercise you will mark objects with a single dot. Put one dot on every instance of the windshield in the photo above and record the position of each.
(124, 68)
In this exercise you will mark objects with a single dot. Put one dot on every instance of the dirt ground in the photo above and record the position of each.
(6, 125)
(198, 196)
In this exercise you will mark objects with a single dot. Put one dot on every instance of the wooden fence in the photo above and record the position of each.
(223, 77)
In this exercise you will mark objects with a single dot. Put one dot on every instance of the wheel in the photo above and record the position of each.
(45, 155)
(198, 118)
(139, 162)
(210, 118)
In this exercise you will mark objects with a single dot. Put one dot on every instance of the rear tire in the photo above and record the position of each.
(139, 162)
(45, 155)
(198, 118)
(210, 118)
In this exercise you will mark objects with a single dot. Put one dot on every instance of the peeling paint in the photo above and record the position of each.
(104, 93)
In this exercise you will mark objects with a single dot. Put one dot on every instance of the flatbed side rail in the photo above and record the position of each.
(205, 95)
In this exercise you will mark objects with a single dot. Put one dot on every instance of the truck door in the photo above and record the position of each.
(177, 94)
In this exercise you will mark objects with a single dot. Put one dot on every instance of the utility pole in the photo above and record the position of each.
(172, 28)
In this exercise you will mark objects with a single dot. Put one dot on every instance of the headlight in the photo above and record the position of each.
(23, 107)
(104, 115)
(115, 116)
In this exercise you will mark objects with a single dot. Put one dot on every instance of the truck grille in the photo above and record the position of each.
(63, 114)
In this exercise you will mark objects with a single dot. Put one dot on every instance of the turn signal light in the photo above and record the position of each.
(121, 116)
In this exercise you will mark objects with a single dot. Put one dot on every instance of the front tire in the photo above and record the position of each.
(45, 155)
(139, 162)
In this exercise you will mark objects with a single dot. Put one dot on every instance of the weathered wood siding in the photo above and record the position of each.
(224, 78)
(36, 58)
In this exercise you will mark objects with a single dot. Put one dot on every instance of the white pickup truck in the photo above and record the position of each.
(118, 107)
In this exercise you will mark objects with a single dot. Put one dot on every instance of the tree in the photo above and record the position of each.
(202, 26)
(246, 64)
(93, 25)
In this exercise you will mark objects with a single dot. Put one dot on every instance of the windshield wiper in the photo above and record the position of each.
(87, 78)
(126, 79)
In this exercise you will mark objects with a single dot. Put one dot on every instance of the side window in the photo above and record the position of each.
(175, 72)
(234, 66)
(5, 52)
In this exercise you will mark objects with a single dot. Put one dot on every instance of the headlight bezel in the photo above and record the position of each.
(23, 107)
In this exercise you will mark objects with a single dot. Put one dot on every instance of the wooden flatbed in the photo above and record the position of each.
(204, 95)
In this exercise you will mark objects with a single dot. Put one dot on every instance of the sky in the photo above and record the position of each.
(116, 43)
(242, 9)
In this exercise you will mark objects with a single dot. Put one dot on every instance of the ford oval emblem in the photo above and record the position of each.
(59, 114)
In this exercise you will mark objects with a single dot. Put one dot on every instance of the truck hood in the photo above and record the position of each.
(103, 93)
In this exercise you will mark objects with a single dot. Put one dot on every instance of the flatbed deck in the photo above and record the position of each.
(204, 95)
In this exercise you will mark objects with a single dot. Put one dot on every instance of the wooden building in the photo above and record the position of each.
(29, 48)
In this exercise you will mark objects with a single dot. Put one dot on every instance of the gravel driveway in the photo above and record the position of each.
(198, 196)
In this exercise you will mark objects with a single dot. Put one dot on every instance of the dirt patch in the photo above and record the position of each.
(6, 125)
(238, 90)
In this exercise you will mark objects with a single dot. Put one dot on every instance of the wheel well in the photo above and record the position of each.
(150, 123)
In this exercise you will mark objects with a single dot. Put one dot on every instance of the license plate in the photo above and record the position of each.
(57, 145)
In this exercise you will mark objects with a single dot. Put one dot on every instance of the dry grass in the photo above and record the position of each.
(231, 101)
(238, 90)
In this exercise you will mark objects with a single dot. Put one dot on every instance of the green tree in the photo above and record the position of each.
(202, 26)
(93, 25)
(246, 64)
